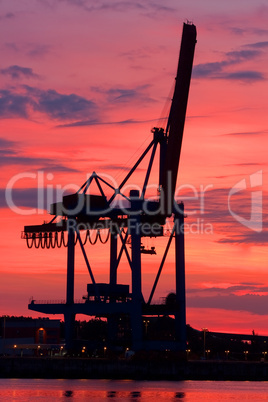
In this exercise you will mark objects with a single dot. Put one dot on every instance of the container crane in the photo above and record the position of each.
(90, 218)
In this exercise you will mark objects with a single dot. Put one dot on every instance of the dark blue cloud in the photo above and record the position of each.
(4, 143)
(73, 109)
(14, 104)
(209, 70)
(50, 102)
(219, 70)
(237, 56)
(32, 197)
(258, 45)
(19, 72)
(251, 303)
(245, 76)
(246, 287)
(64, 107)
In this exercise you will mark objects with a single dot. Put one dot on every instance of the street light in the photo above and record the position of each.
(264, 354)
(188, 351)
(146, 323)
(207, 352)
(227, 353)
(246, 354)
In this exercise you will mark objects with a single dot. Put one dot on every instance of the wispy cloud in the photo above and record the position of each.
(119, 94)
(11, 46)
(37, 50)
(118, 167)
(11, 154)
(96, 122)
(248, 30)
(252, 238)
(140, 54)
(7, 16)
(41, 163)
(33, 50)
(247, 133)
(257, 45)
(245, 164)
(116, 6)
(215, 208)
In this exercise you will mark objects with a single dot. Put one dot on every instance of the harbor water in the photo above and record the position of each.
(35, 390)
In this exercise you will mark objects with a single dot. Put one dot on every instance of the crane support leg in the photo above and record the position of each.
(137, 298)
(70, 267)
(69, 318)
(69, 321)
(180, 316)
(113, 318)
(113, 259)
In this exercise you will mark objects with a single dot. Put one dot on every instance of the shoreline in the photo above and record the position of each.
(88, 368)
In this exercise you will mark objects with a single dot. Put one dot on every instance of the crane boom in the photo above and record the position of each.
(176, 120)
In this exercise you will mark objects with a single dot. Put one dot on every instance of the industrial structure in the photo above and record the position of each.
(29, 336)
(90, 217)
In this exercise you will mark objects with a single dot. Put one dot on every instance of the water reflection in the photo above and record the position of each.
(135, 394)
(130, 395)
(111, 394)
(68, 393)
(28, 390)
(179, 395)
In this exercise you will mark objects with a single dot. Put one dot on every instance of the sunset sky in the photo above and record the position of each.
(82, 83)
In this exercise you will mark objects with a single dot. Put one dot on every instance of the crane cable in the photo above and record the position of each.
(47, 240)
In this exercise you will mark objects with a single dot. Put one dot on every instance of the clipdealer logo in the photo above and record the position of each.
(45, 193)
(255, 221)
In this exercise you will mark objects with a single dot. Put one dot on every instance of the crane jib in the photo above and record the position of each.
(176, 120)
